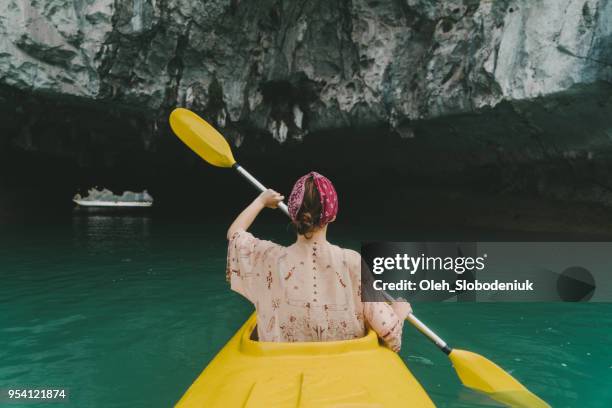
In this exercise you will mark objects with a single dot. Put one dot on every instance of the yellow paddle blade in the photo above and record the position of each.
(483, 375)
(201, 137)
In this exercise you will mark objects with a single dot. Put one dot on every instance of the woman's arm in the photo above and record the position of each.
(268, 198)
(381, 317)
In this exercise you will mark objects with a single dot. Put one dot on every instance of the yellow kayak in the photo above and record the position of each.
(356, 373)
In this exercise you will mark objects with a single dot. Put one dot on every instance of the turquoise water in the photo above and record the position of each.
(126, 312)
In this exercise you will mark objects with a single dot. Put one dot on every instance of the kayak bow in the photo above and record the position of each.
(353, 373)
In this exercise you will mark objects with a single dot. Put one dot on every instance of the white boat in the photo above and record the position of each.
(106, 200)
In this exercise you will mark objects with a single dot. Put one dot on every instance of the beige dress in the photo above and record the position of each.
(306, 292)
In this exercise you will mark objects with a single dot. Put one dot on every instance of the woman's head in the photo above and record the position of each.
(313, 203)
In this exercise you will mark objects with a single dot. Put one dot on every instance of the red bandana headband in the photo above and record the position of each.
(327, 192)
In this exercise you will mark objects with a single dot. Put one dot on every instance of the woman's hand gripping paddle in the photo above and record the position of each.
(474, 370)
(209, 144)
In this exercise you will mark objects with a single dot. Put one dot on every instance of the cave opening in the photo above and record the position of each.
(459, 171)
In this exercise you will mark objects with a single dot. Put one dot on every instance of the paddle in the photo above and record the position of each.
(209, 144)
(474, 370)
(480, 373)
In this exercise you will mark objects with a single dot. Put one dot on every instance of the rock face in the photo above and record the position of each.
(504, 81)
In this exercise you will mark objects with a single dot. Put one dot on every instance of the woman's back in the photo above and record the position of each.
(310, 291)
(304, 292)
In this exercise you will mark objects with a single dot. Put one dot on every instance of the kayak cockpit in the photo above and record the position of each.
(249, 344)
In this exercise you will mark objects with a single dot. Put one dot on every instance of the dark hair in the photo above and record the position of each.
(309, 215)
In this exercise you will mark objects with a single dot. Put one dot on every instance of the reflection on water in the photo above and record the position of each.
(103, 232)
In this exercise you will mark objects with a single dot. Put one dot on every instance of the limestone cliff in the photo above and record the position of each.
(464, 82)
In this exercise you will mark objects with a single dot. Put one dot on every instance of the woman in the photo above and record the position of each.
(311, 290)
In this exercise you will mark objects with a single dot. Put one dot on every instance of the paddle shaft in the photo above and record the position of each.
(426, 331)
(242, 171)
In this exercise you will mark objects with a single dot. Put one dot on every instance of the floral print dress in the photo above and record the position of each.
(306, 292)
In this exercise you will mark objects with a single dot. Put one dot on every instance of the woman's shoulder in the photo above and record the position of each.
(245, 239)
(351, 256)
